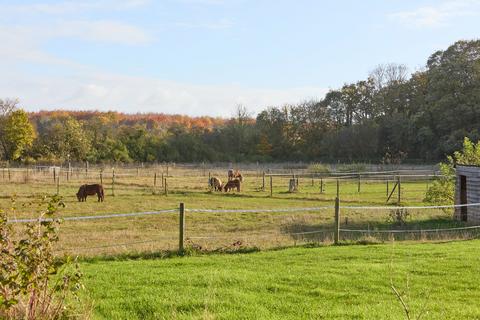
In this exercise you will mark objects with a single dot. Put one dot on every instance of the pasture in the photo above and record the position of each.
(346, 282)
(212, 227)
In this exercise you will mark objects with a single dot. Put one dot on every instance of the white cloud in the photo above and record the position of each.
(68, 84)
(66, 7)
(203, 2)
(23, 43)
(219, 24)
(97, 91)
(102, 31)
(438, 15)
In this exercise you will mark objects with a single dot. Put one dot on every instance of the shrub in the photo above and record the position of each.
(34, 284)
(398, 216)
(442, 191)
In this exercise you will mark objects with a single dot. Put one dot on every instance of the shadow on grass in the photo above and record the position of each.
(380, 231)
(190, 251)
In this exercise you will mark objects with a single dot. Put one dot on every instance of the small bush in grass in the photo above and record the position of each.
(318, 168)
(368, 239)
(398, 216)
(34, 284)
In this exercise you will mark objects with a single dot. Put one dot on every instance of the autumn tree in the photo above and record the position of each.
(16, 131)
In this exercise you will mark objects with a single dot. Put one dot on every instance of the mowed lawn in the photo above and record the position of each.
(346, 282)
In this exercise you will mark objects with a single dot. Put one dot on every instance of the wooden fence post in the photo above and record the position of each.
(263, 181)
(69, 171)
(163, 181)
(338, 188)
(312, 181)
(58, 184)
(54, 175)
(387, 188)
(165, 187)
(358, 187)
(399, 189)
(181, 231)
(154, 182)
(321, 185)
(113, 182)
(337, 220)
(271, 186)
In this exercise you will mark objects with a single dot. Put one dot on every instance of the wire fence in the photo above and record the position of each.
(238, 229)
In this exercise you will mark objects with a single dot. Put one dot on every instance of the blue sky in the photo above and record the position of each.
(204, 57)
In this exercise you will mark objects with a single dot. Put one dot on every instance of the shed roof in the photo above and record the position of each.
(467, 165)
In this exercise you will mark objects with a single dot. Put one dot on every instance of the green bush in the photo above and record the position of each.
(442, 191)
(34, 284)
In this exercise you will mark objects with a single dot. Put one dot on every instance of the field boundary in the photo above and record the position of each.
(300, 209)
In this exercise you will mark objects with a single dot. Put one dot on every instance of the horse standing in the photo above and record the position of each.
(234, 175)
(215, 183)
(230, 185)
(90, 190)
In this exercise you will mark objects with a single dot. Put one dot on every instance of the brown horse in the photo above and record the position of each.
(235, 183)
(215, 183)
(234, 175)
(89, 190)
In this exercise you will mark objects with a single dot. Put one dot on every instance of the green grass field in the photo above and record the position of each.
(302, 280)
(212, 230)
(346, 282)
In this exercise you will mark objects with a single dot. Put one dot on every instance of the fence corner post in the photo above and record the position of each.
(337, 221)
(181, 233)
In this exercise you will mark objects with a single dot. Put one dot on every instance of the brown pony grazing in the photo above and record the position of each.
(89, 190)
(215, 183)
(235, 183)
(234, 175)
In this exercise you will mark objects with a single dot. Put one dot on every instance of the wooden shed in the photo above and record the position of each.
(467, 190)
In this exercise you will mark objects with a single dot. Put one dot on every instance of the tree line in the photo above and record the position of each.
(390, 117)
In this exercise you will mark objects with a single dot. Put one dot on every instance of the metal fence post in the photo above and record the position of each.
(181, 231)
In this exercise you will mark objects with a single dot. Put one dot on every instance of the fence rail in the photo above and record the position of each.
(326, 231)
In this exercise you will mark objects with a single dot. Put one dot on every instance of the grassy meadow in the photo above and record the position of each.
(134, 191)
(439, 280)
(233, 268)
